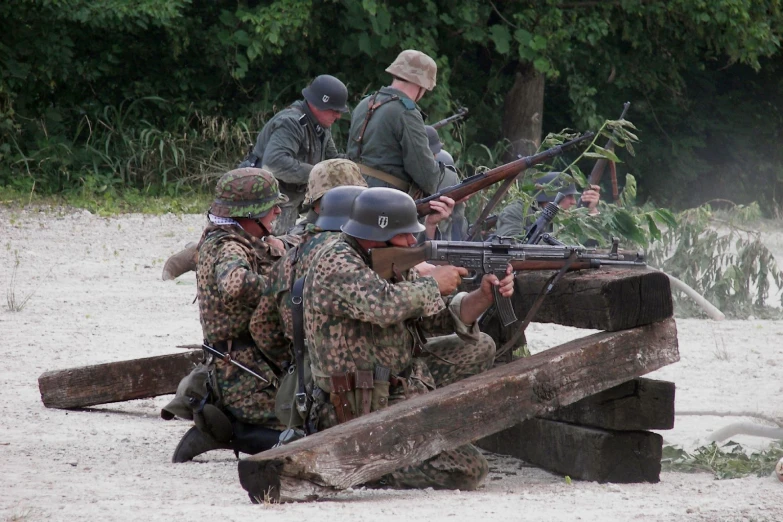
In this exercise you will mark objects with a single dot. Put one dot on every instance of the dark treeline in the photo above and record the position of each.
(162, 95)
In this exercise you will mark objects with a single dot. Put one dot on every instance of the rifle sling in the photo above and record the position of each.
(509, 345)
(299, 343)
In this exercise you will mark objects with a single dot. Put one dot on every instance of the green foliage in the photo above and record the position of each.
(727, 461)
(704, 79)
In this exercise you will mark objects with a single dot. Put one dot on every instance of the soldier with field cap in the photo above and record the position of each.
(297, 138)
(387, 137)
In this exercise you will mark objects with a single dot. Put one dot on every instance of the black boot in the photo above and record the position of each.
(252, 439)
(194, 443)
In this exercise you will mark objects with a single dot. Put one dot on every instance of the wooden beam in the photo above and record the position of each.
(116, 381)
(581, 452)
(638, 404)
(603, 299)
(408, 433)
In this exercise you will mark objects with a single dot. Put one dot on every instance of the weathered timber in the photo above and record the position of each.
(410, 432)
(638, 404)
(116, 381)
(609, 299)
(581, 452)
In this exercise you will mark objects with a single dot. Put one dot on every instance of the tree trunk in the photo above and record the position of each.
(523, 112)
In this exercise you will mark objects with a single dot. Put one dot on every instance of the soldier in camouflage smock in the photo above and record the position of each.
(270, 324)
(297, 138)
(355, 321)
(236, 253)
(387, 137)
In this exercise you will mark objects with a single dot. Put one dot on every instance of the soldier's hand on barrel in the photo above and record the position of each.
(448, 277)
(591, 196)
(442, 209)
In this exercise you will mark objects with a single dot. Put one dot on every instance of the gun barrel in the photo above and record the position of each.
(477, 182)
(228, 359)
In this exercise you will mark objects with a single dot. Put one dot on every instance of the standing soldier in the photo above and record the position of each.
(236, 253)
(288, 146)
(297, 138)
(387, 137)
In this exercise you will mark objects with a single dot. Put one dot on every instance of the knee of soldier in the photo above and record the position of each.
(476, 473)
(485, 349)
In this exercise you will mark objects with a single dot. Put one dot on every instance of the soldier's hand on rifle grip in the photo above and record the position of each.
(505, 286)
(448, 277)
(591, 196)
(424, 269)
(441, 209)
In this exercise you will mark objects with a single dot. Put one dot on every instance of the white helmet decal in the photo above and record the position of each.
(383, 221)
(325, 98)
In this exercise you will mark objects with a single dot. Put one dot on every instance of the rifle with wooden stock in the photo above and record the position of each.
(491, 257)
(477, 182)
(461, 113)
(601, 163)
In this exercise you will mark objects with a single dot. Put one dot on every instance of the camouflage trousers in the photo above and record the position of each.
(247, 398)
(448, 359)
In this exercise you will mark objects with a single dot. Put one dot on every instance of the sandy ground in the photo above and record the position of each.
(97, 297)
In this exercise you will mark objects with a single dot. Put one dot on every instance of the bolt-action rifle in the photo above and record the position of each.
(477, 182)
(601, 163)
(461, 113)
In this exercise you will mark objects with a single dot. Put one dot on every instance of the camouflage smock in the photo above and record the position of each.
(394, 142)
(271, 324)
(231, 276)
(355, 320)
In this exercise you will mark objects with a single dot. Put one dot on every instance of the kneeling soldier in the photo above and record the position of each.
(366, 335)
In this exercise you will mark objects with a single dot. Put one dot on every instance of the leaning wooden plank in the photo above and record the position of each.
(581, 452)
(410, 432)
(638, 404)
(602, 299)
(115, 381)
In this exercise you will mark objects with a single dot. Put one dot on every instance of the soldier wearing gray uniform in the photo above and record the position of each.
(297, 138)
(387, 137)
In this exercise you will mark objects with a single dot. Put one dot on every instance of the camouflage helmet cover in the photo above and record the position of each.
(246, 193)
(326, 92)
(380, 213)
(415, 67)
(550, 184)
(329, 174)
(336, 207)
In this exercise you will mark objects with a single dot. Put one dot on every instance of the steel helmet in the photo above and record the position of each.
(550, 184)
(329, 174)
(415, 67)
(445, 158)
(246, 193)
(433, 139)
(380, 213)
(336, 207)
(327, 93)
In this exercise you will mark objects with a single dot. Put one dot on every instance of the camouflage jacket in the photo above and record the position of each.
(271, 324)
(231, 277)
(292, 142)
(354, 319)
(394, 141)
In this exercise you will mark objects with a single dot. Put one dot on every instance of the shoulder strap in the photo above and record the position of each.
(372, 106)
(299, 344)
